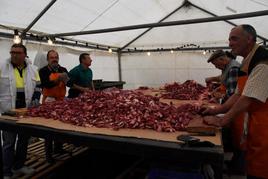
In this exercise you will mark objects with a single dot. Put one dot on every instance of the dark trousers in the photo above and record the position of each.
(14, 158)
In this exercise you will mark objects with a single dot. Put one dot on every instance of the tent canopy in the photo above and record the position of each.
(74, 16)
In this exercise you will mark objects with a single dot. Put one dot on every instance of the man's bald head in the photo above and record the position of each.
(242, 39)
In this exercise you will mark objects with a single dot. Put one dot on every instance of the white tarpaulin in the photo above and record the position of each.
(137, 69)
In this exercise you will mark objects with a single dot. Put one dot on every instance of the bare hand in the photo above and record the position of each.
(217, 95)
(84, 89)
(208, 80)
(213, 120)
(63, 77)
(208, 111)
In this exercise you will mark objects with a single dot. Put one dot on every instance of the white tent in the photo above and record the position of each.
(187, 40)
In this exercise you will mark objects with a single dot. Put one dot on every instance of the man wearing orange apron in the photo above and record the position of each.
(231, 134)
(53, 81)
(251, 98)
(228, 78)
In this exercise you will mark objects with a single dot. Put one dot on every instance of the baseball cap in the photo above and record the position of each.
(216, 54)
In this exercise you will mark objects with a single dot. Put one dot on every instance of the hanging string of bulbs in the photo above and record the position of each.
(185, 47)
(18, 38)
(64, 41)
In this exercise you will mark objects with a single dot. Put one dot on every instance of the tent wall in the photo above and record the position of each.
(104, 65)
(137, 69)
(160, 68)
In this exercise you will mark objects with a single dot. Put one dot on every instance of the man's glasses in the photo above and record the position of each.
(15, 53)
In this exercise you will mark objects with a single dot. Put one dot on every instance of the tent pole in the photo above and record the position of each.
(167, 16)
(38, 17)
(163, 24)
(229, 22)
(119, 54)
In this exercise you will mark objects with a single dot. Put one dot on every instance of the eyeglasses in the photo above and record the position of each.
(16, 53)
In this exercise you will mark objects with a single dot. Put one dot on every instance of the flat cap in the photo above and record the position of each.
(216, 54)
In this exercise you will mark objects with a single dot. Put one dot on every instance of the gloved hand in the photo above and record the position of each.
(63, 77)
(34, 103)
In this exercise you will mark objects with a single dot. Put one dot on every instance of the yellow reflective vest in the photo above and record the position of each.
(9, 84)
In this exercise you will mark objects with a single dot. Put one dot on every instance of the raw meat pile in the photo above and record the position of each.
(189, 90)
(118, 109)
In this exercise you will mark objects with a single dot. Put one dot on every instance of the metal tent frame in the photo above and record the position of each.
(60, 38)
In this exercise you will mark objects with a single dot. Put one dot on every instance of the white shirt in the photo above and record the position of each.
(257, 83)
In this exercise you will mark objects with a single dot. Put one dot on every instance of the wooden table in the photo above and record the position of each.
(141, 144)
(147, 143)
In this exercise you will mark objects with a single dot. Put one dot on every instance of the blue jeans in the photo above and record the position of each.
(13, 158)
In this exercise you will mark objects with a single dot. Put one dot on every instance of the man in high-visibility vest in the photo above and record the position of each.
(18, 89)
(53, 82)
(250, 98)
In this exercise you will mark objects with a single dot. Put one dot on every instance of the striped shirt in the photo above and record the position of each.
(231, 81)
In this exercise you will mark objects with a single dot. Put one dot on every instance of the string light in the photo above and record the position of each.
(204, 52)
(17, 38)
(110, 50)
(171, 51)
(148, 53)
(49, 41)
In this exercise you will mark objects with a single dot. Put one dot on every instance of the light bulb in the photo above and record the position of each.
(148, 53)
(50, 42)
(110, 50)
(171, 51)
(17, 39)
(204, 53)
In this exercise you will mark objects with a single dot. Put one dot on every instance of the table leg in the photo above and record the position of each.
(1, 156)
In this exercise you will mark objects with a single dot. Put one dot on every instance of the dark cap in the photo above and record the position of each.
(216, 54)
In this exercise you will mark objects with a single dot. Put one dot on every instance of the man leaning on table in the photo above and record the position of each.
(250, 97)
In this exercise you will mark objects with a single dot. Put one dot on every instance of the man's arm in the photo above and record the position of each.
(92, 86)
(239, 107)
(222, 108)
(232, 81)
(80, 88)
(255, 91)
(72, 81)
(45, 81)
(37, 91)
(212, 79)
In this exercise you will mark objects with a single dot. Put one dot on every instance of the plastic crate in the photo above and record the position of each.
(164, 174)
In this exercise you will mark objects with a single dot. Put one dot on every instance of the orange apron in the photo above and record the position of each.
(222, 89)
(58, 92)
(237, 125)
(257, 139)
